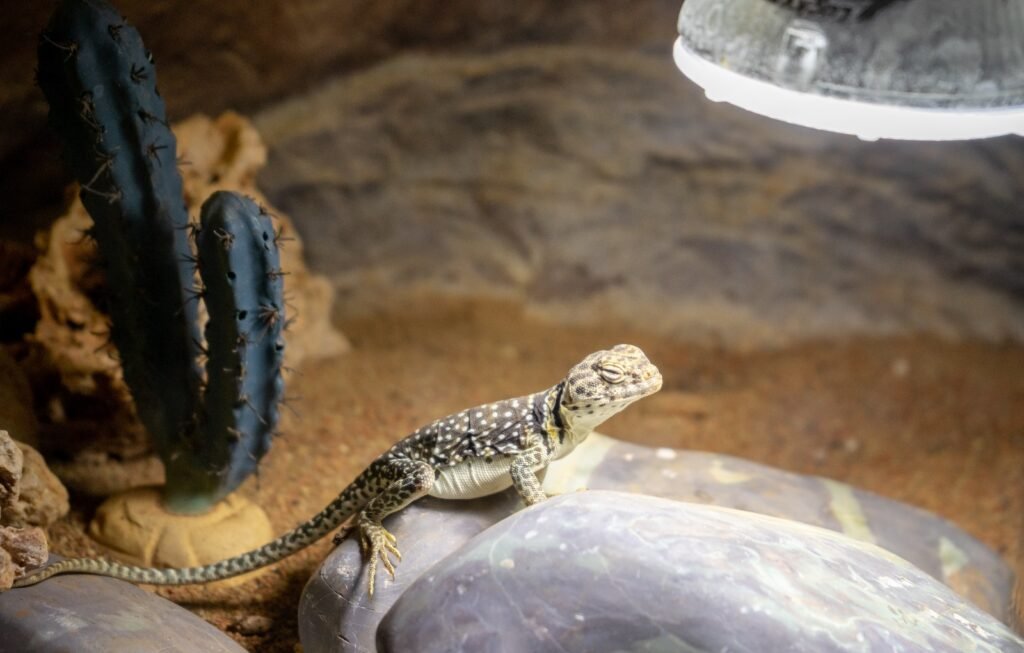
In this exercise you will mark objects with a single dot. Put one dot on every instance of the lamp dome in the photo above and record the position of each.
(909, 69)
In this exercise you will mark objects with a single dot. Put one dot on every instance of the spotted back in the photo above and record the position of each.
(494, 429)
(599, 386)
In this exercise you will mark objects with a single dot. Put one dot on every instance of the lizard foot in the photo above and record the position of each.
(536, 498)
(376, 543)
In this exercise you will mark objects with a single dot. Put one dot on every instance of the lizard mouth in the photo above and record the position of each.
(649, 385)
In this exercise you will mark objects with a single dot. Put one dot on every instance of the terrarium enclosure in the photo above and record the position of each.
(468, 198)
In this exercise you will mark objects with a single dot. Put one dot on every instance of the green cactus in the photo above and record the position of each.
(100, 83)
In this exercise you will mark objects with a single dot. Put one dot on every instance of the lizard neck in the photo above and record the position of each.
(562, 434)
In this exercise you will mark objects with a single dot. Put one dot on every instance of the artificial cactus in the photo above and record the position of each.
(100, 83)
(242, 287)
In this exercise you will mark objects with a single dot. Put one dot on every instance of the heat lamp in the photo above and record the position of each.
(898, 69)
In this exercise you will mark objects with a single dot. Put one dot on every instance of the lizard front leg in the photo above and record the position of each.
(524, 479)
(412, 480)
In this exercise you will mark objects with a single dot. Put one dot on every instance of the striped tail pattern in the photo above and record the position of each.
(335, 514)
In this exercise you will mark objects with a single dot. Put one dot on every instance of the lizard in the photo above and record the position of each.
(474, 453)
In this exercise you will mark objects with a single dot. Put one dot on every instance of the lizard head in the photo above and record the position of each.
(604, 383)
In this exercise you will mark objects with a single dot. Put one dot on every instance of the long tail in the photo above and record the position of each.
(295, 540)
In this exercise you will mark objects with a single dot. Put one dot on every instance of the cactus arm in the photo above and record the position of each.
(104, 105)
(243, 291)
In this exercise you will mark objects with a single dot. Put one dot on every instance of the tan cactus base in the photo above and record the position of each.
(138, 530)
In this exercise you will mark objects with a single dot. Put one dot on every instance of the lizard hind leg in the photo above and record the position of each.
(412, 480)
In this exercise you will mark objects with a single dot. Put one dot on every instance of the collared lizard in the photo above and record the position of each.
(470, 454)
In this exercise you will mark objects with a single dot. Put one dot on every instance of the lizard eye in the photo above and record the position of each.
(611, 373)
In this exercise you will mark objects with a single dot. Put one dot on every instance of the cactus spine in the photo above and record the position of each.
(100, 83)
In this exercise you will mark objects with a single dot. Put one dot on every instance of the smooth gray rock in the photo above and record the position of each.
(91, 614)
(601, 571)
(936, 545)
(336, 615)
(599, 185)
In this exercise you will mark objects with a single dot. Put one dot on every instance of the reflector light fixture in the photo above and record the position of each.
(901, 69)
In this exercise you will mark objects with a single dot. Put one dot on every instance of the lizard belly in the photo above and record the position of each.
(473, 478)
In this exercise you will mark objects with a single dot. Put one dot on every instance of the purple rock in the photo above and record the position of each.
(91, 614)
(934, 544)
(336, 615)
(604, 571)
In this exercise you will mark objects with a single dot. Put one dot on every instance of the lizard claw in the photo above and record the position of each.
(377, 543)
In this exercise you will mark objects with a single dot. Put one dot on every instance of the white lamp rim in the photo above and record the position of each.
(866, 120)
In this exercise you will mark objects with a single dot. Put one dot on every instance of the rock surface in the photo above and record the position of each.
(20, 549)
(42, 498)
(12, 465)
(89, 614)
(599, 185)
(336, 615)
(617, 572)
(30, 494)
(98, 430)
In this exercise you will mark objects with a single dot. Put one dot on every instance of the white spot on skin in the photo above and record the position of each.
(563, 546)
(628, 457)
(507, 563)
(579, 617)
(530, 535)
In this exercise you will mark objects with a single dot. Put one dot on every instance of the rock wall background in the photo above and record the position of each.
(549, 151)
(242, 55)
(596, 184)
